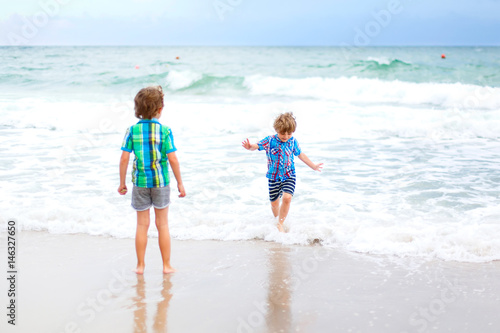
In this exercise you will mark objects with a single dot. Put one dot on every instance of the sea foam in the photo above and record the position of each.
(375, 91)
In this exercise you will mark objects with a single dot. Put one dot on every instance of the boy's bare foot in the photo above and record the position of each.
(280, 227)
(168, 270)
(139, 270)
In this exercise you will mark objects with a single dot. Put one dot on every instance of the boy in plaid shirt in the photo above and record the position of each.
(280, 150)
(153, 147)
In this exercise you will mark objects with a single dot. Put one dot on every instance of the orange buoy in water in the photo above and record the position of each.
(177, 58)
(137, 67)
(443, 56)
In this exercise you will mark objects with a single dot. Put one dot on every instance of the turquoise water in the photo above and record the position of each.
(410, 142)
(226, 68)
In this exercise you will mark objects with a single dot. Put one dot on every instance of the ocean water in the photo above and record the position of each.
(410, 143)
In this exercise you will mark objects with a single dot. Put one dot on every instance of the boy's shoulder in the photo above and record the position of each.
(146, 122)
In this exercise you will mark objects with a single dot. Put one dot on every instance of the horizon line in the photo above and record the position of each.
(232, 45)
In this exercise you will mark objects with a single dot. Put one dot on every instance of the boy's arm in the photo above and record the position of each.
(317, 167)
(122, 189)
(174, 164)
(249, 146)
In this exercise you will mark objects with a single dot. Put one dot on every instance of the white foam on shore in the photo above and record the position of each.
(465, 239)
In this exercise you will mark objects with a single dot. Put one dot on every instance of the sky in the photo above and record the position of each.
(251, 22)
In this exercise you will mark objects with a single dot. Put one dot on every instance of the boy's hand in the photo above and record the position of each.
(122, 189)
(248, 146)
(182, 191)
(318, 167)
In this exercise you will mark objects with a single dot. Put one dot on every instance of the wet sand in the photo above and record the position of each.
(82, 283)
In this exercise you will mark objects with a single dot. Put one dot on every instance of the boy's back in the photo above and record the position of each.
(153, 146)
(151, 142)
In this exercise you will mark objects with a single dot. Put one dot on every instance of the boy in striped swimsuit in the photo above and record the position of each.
(280, 150)
(153, 146)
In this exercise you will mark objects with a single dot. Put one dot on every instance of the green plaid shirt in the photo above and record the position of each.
(151, 142)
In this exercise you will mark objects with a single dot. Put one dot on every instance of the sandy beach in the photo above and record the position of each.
(82, 283)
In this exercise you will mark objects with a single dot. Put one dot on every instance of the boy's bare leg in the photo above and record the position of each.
(275, 206)
(285, 207)
(141, 239)
(164, 238)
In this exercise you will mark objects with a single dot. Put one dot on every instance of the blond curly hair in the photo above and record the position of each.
(148, 101)
(285, 123)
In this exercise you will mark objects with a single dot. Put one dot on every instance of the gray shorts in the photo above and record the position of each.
(143, 198)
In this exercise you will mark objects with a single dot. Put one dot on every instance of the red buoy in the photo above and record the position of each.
(443, 56)
(137, 67)
(177, 58)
